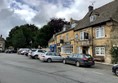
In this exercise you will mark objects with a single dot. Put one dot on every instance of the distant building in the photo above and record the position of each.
(2, 43)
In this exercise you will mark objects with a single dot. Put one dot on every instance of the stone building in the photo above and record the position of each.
(95, 34)
(2, 44)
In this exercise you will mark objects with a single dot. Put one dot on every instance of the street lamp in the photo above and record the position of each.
(31, 44)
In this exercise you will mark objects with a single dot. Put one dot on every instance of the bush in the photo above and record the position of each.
(114, 54)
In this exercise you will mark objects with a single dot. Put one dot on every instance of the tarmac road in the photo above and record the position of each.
(20, 69)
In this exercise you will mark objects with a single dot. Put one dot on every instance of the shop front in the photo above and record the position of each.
(53, 47)
(66, 49)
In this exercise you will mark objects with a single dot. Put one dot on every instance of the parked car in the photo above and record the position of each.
(24, 51)
(79, 60)
(31, 51)
(36, 53)
(20, 50)
(10, 51)
(115, 69)
(50, 56)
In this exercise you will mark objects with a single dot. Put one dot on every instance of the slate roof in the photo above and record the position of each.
(105, 13)
(51, 40)
(68, 27)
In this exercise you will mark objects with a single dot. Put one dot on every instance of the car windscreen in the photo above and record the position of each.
(87, 56)
(33, 50)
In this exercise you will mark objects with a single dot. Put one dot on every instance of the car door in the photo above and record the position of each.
(52, 56)
(74, 59)
(58, 57)
(69, 58)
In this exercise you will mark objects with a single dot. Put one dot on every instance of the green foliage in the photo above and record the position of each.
(22, 36)
(57, 24)
(114, 54)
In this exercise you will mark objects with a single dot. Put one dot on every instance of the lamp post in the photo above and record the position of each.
(31, 44)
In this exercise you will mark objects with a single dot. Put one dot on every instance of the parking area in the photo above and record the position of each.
(98, 73)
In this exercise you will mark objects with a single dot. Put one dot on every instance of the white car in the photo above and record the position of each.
(36, 53)
(50, 56)
(31, 51)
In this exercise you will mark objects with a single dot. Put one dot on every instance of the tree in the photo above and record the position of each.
(57, 24)
(114, 54)
(44, 35)
(21, 36)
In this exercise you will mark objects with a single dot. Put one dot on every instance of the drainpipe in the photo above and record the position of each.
(92, 43)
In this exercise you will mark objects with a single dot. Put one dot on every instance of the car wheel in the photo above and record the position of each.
(64, 61)
(116, 72)
(49, 60)
(77, 64)
(36, 56)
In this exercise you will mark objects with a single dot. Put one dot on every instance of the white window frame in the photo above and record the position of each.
(76, 36)
(82, 35)
(79, 49)
(100, 32)
(92, 18)
(100, 51)
(73, 25)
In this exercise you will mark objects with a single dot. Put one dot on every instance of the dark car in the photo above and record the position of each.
(115, 69)
(10, 51)
(79, 60)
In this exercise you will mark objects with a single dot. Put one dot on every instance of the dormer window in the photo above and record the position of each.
(64, 28)
(93, 18)
(73, 25)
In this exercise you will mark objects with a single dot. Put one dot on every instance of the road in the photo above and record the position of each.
(20, 69)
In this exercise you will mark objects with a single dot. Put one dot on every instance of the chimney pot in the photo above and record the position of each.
(90, 8)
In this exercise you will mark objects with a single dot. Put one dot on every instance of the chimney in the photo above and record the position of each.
(1, 36)
(90, 8)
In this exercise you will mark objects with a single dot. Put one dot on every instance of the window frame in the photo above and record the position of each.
(73, 25)
(100, 32)
(93, 18)
(100, 51)
(82, 35)
(76, 36)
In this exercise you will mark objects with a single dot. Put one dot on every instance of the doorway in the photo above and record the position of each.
(85, 50)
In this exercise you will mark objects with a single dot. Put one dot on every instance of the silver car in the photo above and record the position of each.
(51, 56)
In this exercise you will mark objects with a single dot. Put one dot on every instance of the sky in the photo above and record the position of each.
(38, 12)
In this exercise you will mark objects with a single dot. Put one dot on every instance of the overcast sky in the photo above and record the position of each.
(39, 12)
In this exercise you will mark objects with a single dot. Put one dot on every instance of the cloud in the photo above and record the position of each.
(39, 12)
